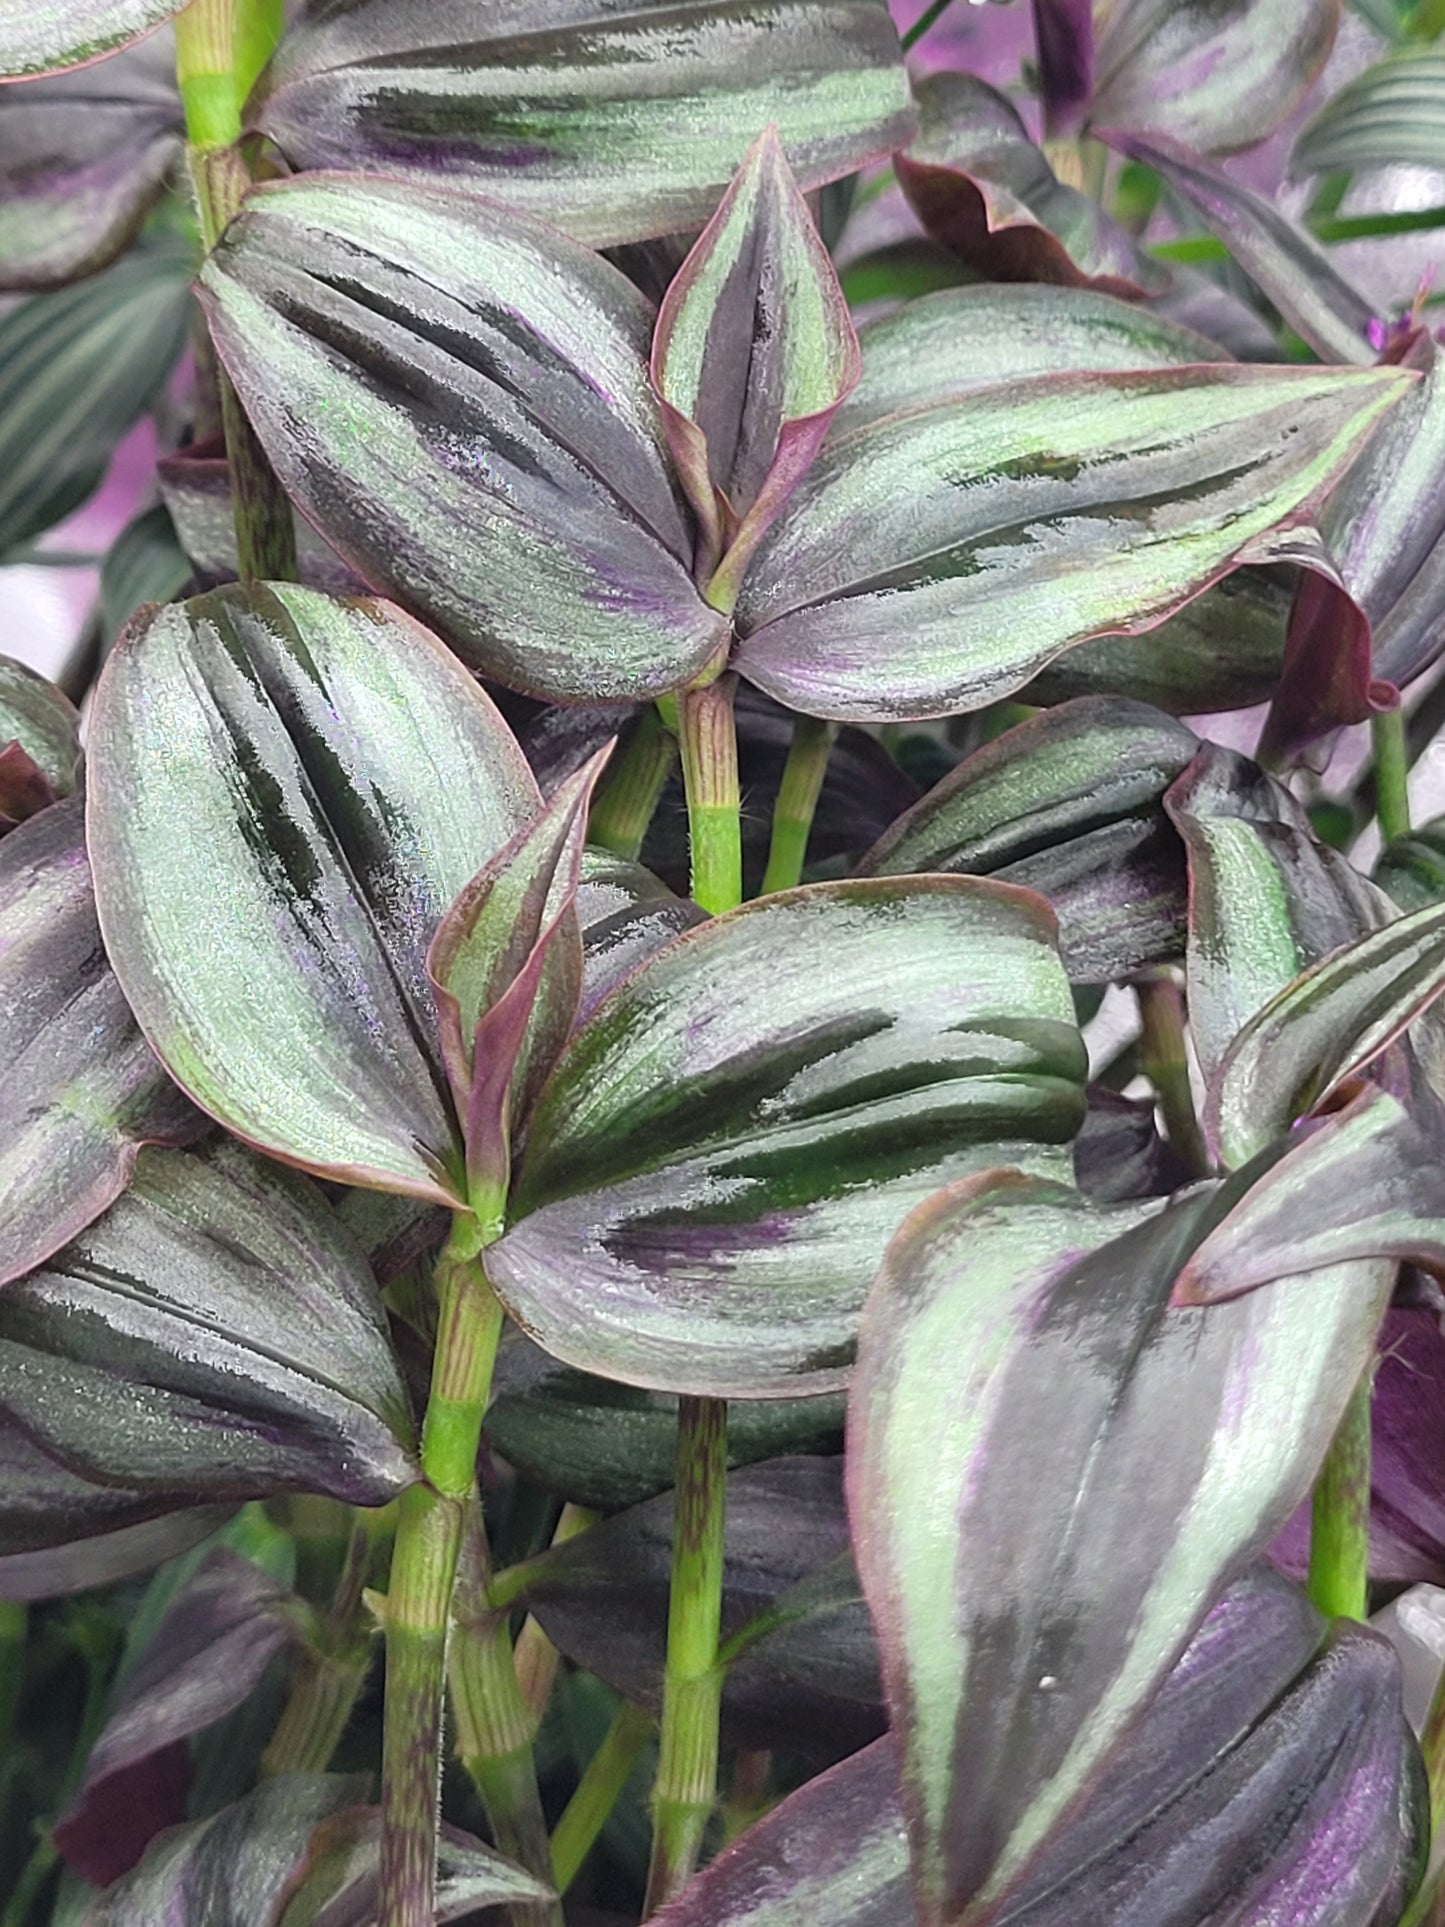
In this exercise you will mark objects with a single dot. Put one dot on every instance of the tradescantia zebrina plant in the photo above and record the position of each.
(707, 1127)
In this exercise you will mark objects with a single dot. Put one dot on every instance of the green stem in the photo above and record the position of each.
(423, 1569)
(922, 24)
(1392, 773)
(14, 1632)
(1165, 1062)
(624, 806)
(536, 1657)
(1340, 1518)
(259, 26)
(495, 1726)
(328, 1676)
(798, 794)
(598, 1792)
(207, 76)
(714, 805)
(686, 1788)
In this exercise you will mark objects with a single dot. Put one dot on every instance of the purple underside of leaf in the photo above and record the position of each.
(1064, 37)
(983, 189)
(79, 1086)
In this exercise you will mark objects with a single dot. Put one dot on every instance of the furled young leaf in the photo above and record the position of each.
(1069, 803)
(1265, 1782)
(807, 1680)
(607, 1445)
(912, 358)
(1391, 115)
(1283, 260)
(545, 109)
(937, 560)
(1329, 1022)
(752, 355)
(1217, 77)
(235, 1868)
(1052, 1473)
(210, 1653)
(82, 158)
(216, 1335)
(458, 398)
(337, 1883)
(39, 36)
(1385, 525)
(39, 743)
(1266, 899)
(80, 1089)
(1223, 650)
(340, 778)
(77, 368)
(505, 968)
(722, 1152)
(983, 189)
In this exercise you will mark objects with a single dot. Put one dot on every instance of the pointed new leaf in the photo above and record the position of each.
(723, 1150)
(77, 368)
(458, 398)
(912, 359)
(339, 777)
(1215, 76)
(607, 1445)
(1331, 1021)
(983, 189)
(1264, 1783)
(1069, 803)
(216, 1335)
(753, 353)
(1052, 1473)
(1283, 260)
(616, 122)
(82, 158)
(1265, 898)
(40, 36)
(80, 1088)
(937, 560)
(39, 743)
(211, 1651)
(1391, 115)
(506, 969)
